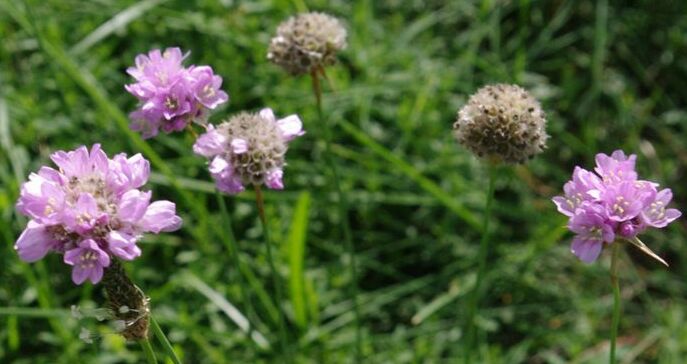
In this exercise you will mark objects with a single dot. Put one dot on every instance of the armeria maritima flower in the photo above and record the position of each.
(248, 149)
(307, 42)
(171, 95)
(90, 210)
(502, 122)
(612, 204)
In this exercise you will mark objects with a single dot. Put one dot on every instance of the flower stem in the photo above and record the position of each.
(343, 212)
(616, 298)
(162, 338)
(275, 277)
(232, 247)
(474, 298)
(148, 351)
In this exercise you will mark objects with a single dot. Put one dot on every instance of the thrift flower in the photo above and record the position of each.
(307, 42)
(612, 203)
(171, 95)
(502, 122)
(90, 210)
(248, 149)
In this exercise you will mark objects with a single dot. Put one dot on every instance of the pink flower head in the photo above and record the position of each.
(90, 209)
(248, 149)
(170, 94)
(611, 204)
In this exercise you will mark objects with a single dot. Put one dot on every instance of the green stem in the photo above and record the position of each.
(283, 340)
(148, 351)
(616, 299)
(232, 247)
(482, 261)
(343, 213)
(162, 338)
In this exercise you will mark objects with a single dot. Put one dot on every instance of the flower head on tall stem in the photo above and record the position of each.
(171, 96)
(307, 42)
(248, 149)
(91, 210)
(612, 203)
(502, 122)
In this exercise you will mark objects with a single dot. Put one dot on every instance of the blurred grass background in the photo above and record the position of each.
(610, 74)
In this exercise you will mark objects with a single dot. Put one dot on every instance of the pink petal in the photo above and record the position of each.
(585, 249)
(34, 243)
(133, 205)
(123, 245)
(160, 216)
(218, 165)
(267, 114)
(291, 127)
(209, 144)
(79, 275)
(239, 146)
(273, 179)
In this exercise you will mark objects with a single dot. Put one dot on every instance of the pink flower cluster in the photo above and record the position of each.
(171, 95)
(611, 203)
(90, 210)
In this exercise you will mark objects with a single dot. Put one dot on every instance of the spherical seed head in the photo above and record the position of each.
(248, 149)
(307, 42)
(266, 151)
(502, 122)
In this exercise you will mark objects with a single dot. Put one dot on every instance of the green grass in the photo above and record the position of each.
(608, 75)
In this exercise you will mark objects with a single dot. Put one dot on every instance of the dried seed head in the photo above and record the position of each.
(307, 42)
(502, 122)
(265, 150)
(248, 149)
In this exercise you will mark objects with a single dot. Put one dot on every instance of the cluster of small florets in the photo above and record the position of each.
(171, 95)
(90, 210)
(248, 149)
(612, 203)
(307, 42)
(502, 122)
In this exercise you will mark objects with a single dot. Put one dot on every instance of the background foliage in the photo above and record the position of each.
(609, 74)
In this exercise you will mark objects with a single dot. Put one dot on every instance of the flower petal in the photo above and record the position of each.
(239, 146)
(160, 216)
(291, 127)
(210, 143)
(587, 250)
(34, 243)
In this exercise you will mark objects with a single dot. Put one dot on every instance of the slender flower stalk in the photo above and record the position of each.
(233, 249)
(616, 300)
(148, 351)
(306, 44)
(501, 124)
(342, 209)
(249, 150)
(164, 341)
(476, 292)
(260, 202)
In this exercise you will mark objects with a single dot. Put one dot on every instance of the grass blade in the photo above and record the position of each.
(425, 183)
(164, 341)
(296, 244)
(192, 281)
